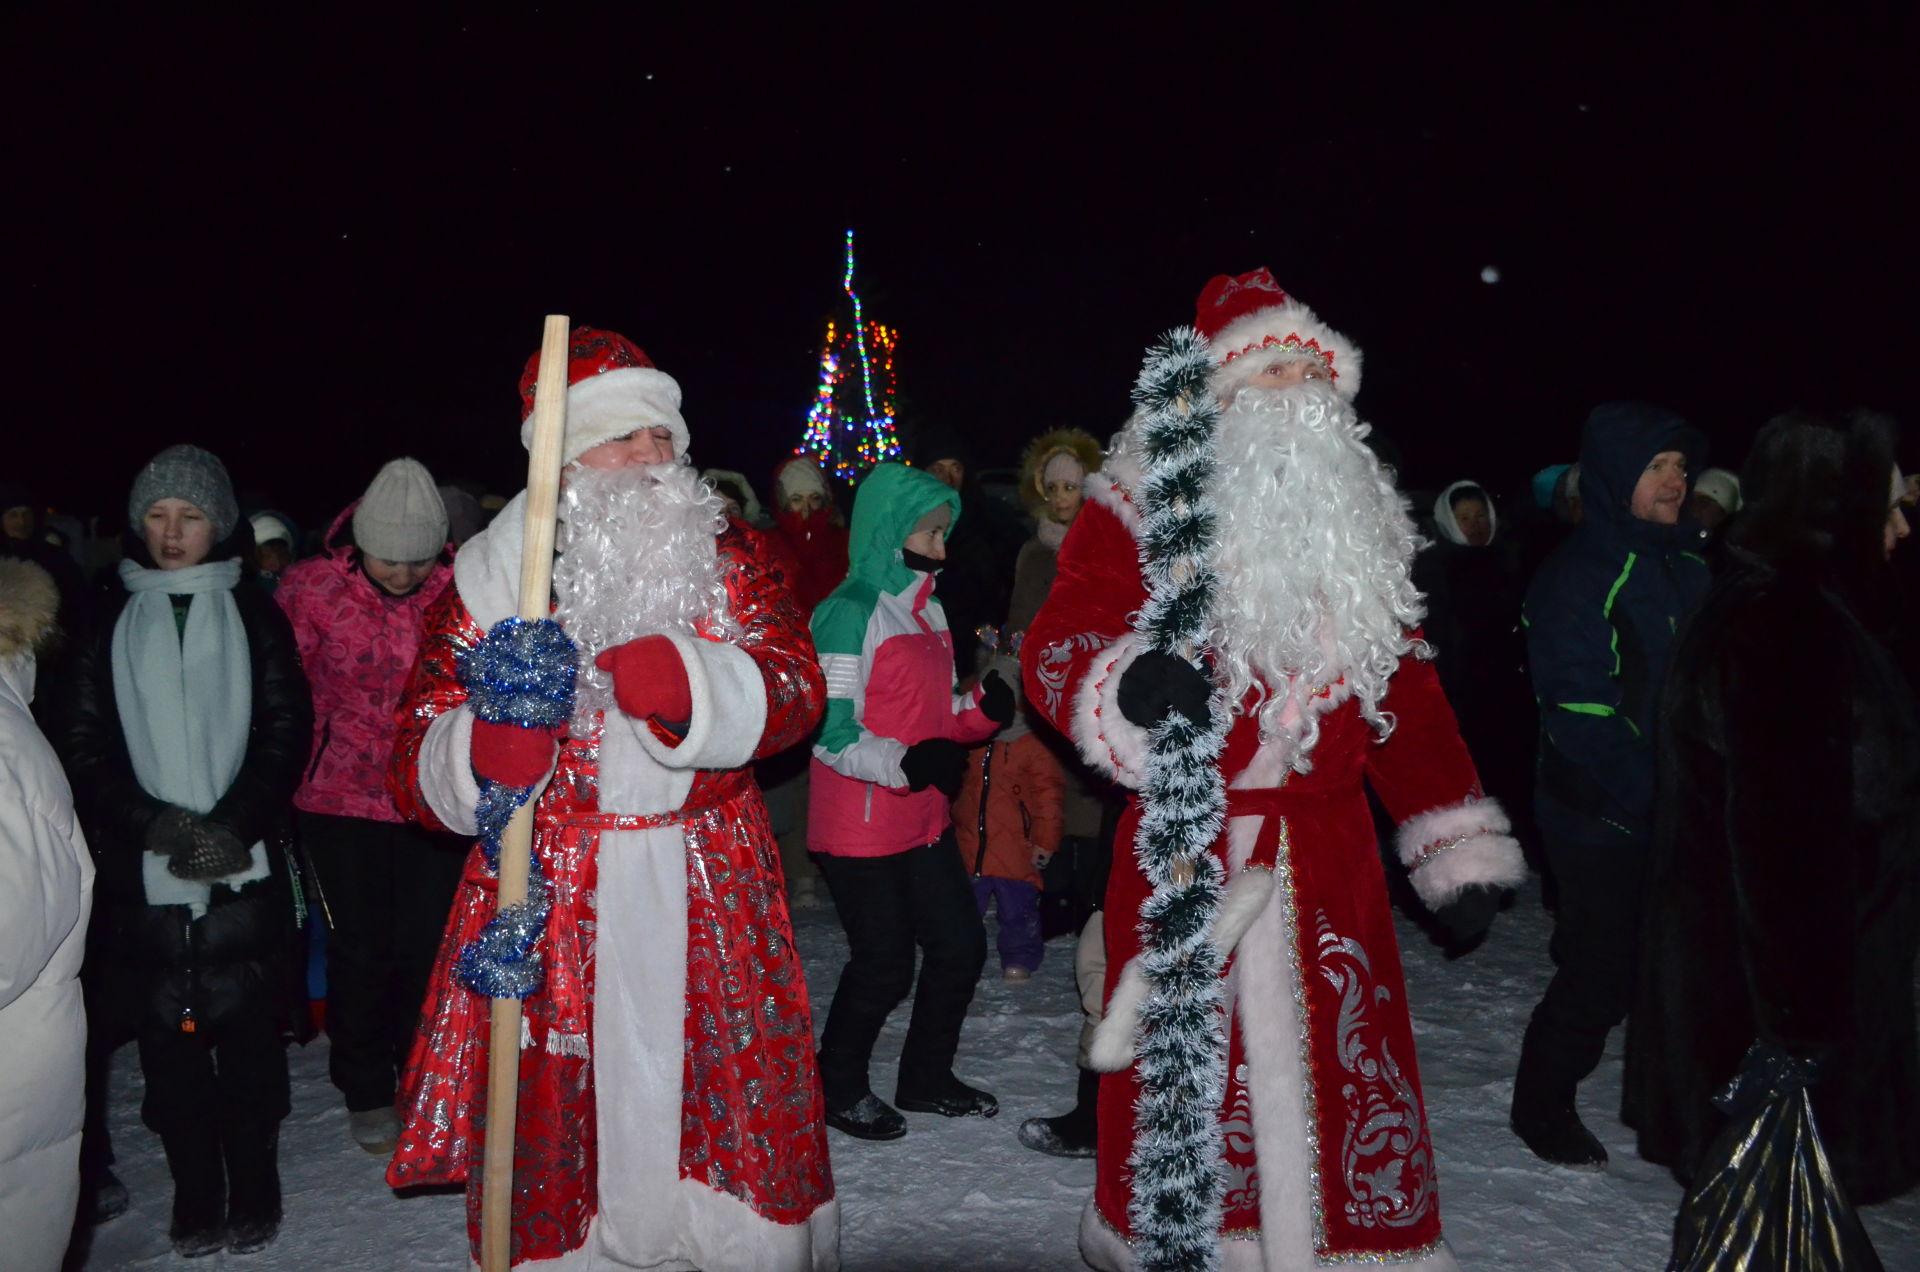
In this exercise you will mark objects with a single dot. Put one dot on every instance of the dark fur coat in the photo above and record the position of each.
(1780, 897)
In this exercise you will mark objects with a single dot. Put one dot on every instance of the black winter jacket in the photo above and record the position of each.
(1602, 618)
(162, 964)
(1780, 893)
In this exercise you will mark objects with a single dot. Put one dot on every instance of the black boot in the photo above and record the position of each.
(253, 1187)
(199, 1192)
(1543, 1115)
(949, 1098)
(1072, 1133)
(868, 1118)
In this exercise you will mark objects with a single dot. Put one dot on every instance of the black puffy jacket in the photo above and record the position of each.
(162, 965)
(1602, 618)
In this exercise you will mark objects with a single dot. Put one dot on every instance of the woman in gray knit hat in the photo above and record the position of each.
(187, 731)
(385, 884)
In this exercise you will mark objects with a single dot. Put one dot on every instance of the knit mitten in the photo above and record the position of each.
(212, 852)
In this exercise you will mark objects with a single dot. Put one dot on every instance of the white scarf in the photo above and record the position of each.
(186, 704)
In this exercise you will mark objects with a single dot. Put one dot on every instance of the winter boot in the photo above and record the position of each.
(199, 1192)
(110, 1200)
(253, 1187)
(376, 1130)
(1072, 1133)
(868, 1118)
(949, 1098)
(1543, 1115)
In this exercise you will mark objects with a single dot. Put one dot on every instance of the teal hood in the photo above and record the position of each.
(890, 500)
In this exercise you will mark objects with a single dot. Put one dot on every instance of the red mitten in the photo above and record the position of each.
(512, 754)
(649, 679)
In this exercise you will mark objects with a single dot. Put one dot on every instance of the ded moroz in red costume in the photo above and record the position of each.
(1325, 1136)
(669, 1109)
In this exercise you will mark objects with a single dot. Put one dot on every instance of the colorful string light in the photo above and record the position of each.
(844, 439)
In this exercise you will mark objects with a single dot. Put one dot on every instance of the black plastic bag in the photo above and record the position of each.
(1764, 1198)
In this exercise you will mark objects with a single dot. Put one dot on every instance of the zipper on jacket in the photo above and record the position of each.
(986, 787)
(869, 812)
(187, 1022)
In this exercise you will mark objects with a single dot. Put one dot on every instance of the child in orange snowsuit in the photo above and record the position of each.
(1005, 845)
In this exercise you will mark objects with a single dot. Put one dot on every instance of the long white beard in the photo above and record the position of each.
(637, 556)
(1316, 549)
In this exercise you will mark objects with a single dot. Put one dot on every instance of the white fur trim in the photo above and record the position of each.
(446, 771)
(1114, 745)
(1291, 318)
(1482, 850)
(1245, 898)
(615, 403)
(729, 708)
(1111, 1047)
(1109, 488)
(487, 568)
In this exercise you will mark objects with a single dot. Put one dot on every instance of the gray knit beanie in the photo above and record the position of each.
(401, 517)
(189, 473)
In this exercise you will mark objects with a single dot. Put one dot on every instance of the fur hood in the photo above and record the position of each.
(28, 603)
(1033, 461)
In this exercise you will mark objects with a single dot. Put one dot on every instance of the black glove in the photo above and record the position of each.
(170, 833)
(1467, 917)
(1157, 683)
(936, 762)
(996, 699)
(214, 852)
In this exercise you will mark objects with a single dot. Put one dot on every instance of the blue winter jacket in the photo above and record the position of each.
(1602, 618)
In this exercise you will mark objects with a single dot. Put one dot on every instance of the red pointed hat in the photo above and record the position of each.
(613, 389)
(1252, 323)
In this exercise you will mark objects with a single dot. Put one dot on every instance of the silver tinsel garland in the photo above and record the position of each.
(1178, 1168)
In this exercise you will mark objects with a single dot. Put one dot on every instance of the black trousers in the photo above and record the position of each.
(385, 890)
(1601, 873)
(216, 1098)
(888, 905)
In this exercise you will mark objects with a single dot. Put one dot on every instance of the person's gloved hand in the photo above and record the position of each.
(212, 852)
(649, 679)
(170, 833)
(1467, 917)
(1041, 856)
(996, 699)
(936, 762)
(1156, 683)
(512, 754)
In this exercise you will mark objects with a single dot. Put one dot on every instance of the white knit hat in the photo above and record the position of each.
(401, 517)
(1720, 486)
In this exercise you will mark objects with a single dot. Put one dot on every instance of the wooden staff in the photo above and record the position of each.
(516, 843)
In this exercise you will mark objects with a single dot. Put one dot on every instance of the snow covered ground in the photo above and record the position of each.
(966, 1195)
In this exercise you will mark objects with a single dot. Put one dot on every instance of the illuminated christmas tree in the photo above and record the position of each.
(850, 426)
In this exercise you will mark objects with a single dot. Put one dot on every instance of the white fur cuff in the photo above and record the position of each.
(729, 713)
(446, 771)
(1448, 850)
(1114, 745)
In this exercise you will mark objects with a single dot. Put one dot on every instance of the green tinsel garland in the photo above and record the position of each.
(1178, 1169)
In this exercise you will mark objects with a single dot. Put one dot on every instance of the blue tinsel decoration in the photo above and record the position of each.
(521, 673)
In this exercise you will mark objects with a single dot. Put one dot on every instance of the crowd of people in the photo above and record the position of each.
(243, 761)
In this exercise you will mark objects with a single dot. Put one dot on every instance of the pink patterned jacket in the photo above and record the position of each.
(358, 646)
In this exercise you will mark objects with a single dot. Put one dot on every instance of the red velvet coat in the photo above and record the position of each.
(1321, 1045)
(751, 1123)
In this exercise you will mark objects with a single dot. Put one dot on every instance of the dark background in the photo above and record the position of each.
(313, 246)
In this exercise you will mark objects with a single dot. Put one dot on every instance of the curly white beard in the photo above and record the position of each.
(1316, 548)
(637, 556)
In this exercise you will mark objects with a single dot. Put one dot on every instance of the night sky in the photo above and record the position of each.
(312, 248)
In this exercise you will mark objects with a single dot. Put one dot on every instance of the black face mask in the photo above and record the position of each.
(914, 561)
